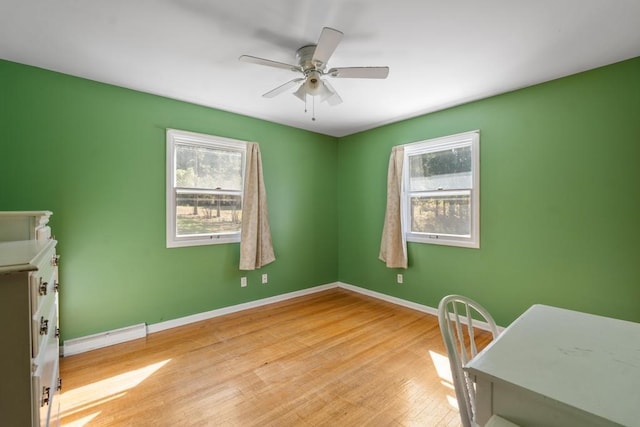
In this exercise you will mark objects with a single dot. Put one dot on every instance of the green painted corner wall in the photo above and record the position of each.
(94, 154)
(560, 200)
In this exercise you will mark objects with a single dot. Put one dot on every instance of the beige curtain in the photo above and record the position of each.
(393, 248)
(256, 249)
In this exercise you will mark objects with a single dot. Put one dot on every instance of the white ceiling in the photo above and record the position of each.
(441, 53)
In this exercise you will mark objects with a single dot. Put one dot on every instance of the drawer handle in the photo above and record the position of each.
(44, 326)
(57, 332)
(55, 261)
(42, 289)
(56, 286)
(59, 384)
(45, 396)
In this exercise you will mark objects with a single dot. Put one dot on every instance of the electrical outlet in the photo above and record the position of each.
(265, 279)
(400, 278)
(243, 281)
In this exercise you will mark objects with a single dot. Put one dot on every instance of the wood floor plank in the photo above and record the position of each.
(332, 358)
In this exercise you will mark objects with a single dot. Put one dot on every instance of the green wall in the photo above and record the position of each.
(94, 154)
(560, 200)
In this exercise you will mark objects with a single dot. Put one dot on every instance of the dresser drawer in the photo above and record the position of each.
(43, 287)
(45, 388)
(43, 281)
(44, 324)
(45, 370)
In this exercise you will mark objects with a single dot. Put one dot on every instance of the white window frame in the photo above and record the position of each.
(180, 137)
(471, 139)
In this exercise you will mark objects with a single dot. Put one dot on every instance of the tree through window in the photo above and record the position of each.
(204, 189)
(441, 190)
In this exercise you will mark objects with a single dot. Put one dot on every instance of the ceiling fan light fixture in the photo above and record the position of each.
(324, 92)
(314, 83)
(314, 86)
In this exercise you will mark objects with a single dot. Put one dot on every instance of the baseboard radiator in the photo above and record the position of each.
(104, 339)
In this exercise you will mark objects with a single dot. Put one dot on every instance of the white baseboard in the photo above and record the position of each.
(389, 298)
(104, 339)
(410, 304)
(156, 327)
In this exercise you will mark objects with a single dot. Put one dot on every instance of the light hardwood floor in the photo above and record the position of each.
(334, 358)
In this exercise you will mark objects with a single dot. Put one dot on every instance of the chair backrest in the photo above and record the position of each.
(457, 315)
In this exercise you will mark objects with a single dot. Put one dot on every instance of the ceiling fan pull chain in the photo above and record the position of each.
(313, 108)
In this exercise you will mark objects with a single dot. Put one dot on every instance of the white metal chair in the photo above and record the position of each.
(456, 315)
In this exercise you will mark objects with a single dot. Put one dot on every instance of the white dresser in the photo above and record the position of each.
(29, 355)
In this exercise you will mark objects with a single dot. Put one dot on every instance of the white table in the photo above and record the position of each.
(557, 367)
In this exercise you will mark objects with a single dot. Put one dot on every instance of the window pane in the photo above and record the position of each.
(207, 213)
(201, 167)
(448, 214)
(441, 170)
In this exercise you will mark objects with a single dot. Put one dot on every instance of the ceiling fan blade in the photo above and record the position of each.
(329, 39)
(269, 63)
(282, 88)
(332, 97)
(301, 93)
(334, 100)
(359, 72)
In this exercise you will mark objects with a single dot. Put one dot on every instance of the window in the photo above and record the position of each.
(441, 189)
(204, 189)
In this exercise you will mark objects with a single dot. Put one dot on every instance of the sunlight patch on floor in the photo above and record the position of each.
(91, 395)
(82, 421)
(442, 366)
(453, 401)
(441, 363)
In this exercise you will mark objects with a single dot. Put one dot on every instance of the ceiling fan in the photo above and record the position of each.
(312, 64)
